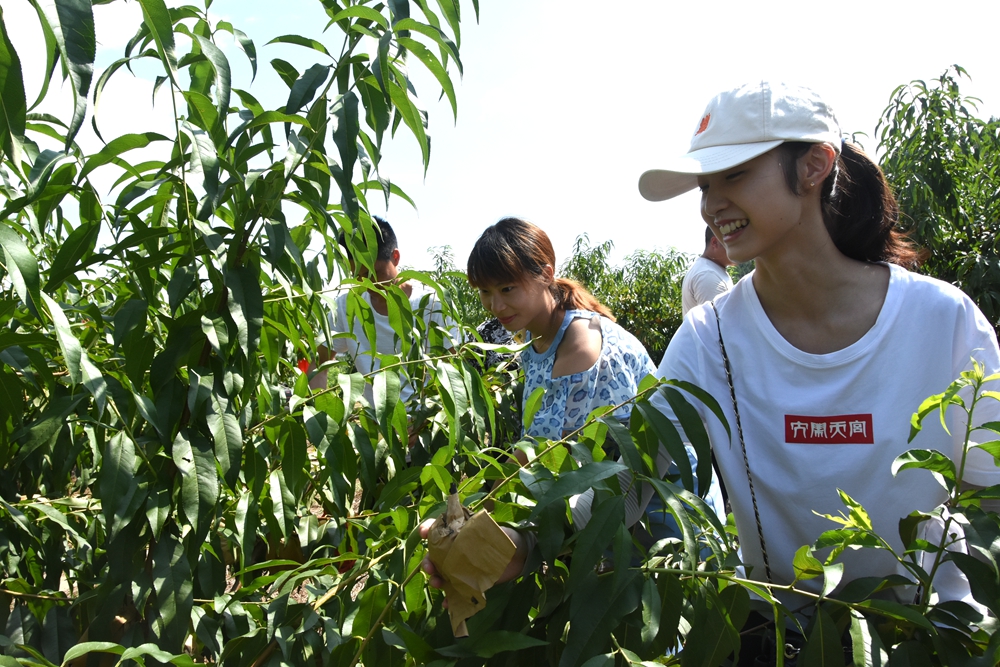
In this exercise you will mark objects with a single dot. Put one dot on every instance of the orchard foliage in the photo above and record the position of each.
(941, 158)
(172, 492)
(644, 294)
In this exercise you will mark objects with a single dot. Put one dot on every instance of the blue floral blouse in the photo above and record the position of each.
(568, 399)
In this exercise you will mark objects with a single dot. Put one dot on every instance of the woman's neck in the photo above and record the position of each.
(545, 327)
(820, 301)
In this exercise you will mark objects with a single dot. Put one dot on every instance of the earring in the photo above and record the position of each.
(812, 184)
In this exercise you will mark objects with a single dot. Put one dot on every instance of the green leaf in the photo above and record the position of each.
(223, 78)
(13, 105)
(670, 439)
(195, 460)
(283, 503)
(94, 381)
(246, 306)
(532, 406)
(116, 147)
(868, 650)
(432, 63)
(823, 646)
(304, 89)
(345, 128)
(247, 522)
(72, 25)
(68, 343)
(386, 393)
(299, 40)
(205, 159)
(172, 582)
(228, 439)
(79, 244)
(595, 538)
(182, 282)
(22, 267)
(694, 429)
(117, 478)
(157, 20)
(92, 647)
(940, 466)
(414, 120)
(598, 610)
(575, 482)
(898, 611)
(366, 13)
(984, 581)
(805, 565)
(372, 601)
(294, 458)
(492, 643)
(286, 71)
(651, 610)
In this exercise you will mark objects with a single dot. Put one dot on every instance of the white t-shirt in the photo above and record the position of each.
(814, 423)
(704, 281)
(423, 302)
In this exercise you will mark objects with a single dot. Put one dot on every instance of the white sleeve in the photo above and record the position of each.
(339, 324)
(980, 467)
(706, 285)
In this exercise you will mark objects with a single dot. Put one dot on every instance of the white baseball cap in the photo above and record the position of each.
(740, 124)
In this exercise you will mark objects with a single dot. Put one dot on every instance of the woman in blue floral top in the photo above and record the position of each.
(578, 355)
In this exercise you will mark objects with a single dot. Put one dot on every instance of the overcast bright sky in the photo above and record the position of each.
(564, 104)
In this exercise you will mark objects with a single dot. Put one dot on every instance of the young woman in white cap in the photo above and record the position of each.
(822, 354)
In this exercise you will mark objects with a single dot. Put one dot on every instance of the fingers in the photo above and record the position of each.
(425, 528)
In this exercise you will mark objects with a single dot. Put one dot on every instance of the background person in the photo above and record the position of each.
(423, 302)
(707, 278)
(829, 314)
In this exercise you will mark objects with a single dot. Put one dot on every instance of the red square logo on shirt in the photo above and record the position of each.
(836, 430)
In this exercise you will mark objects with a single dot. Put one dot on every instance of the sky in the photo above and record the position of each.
(564, 104)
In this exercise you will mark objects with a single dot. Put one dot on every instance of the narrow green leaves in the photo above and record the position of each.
(68, 343)
(13, 105)
(304, 89)
(22, 267)
(157, 20)
(72, 24)
(172, 582)
(195, 460)
(117, 479)
(117, 147)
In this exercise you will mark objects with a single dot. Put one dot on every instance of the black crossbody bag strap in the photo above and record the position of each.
(743, 447)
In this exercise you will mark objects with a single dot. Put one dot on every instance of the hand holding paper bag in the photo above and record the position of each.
(469, 553)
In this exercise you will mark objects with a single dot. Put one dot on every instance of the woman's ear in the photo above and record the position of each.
(816, 165)
(548, 274)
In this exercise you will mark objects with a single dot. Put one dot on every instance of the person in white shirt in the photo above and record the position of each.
(351, 305)
(824, 352)
(707, 278)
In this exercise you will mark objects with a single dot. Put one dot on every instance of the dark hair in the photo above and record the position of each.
(859, 209)
(708, 235)
(386, 240)
(514, 251)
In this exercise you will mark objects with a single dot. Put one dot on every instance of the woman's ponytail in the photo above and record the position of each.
(861, 213)
(571, 295)
(859, 209)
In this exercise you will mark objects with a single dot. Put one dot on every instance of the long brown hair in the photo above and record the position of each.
(859, 208)
(514, 251)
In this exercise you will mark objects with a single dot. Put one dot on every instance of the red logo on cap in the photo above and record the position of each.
(704, 124)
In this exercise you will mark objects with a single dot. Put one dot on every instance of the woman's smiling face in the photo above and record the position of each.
(750, 207)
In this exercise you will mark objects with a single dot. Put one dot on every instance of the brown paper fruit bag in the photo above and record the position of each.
(470, 553)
